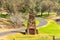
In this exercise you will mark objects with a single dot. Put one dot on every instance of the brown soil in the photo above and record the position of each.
(5, 23)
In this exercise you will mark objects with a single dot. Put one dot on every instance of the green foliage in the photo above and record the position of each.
(4, 15)
(26, 5)
(8, 8)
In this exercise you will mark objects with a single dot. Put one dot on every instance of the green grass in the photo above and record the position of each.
(45, 15)
(28, 37)
(4, 16)
(52, 28)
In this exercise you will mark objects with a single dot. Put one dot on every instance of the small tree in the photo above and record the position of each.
(46, 6)
(30, 8)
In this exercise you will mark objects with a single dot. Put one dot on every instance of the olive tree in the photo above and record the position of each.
(11, 6)
(46, 6)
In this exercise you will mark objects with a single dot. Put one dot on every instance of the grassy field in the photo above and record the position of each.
(45, 32)
(45, 14)
(19, 36)
(52, 28)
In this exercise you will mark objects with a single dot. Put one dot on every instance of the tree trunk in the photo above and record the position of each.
(31, 24)
(41, 14)
(48, 13)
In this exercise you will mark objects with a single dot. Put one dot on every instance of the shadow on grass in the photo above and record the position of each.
(22, 33)
(4, 16)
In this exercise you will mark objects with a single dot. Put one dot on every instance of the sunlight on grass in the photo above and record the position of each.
(19, 36)
(52, 28)
(45, 14)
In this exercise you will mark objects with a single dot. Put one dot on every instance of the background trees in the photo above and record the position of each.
(46, 5)
(11, 6)
(19, 9)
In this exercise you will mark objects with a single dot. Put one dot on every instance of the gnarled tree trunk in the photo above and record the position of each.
(31, 24)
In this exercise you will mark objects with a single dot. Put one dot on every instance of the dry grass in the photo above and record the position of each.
(4, 38)
(5, 23)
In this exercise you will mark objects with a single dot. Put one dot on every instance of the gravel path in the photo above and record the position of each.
(42, 23)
